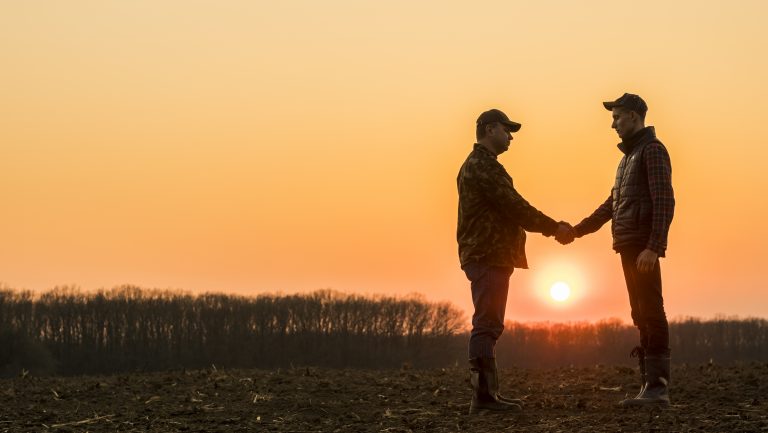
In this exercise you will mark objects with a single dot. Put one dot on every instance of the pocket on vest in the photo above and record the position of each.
(643, 218)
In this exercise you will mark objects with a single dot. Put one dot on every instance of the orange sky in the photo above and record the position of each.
(290, 146)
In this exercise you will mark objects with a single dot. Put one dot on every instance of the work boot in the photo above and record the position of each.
(656, 390)
(495, 385)
(639, 353)
(483, 379)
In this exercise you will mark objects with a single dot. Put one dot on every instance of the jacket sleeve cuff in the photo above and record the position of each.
(656, 248)
(550, 227)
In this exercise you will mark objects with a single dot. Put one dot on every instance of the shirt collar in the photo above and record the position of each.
(645, 134)
(480, 148)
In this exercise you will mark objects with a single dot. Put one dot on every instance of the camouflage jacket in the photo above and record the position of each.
(493, 216)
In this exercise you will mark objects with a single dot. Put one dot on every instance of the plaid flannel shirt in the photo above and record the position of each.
(659, 170)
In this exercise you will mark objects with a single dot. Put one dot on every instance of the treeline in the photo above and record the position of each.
(65, 331)
(720, 340)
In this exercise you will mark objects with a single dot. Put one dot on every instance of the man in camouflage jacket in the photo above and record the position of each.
(493, 219)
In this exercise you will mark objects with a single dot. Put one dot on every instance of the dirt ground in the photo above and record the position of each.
(706, 398)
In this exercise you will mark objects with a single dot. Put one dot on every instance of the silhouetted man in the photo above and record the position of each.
(641, 206)
(493, 218)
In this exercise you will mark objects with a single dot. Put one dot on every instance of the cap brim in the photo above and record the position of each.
(610, 105)
(514, 126)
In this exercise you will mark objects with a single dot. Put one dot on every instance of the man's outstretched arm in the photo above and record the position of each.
(500, 191)
(600, 216)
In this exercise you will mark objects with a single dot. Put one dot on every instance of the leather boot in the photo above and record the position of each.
(495, 386)
(656, 390)
(638, 352)
(482, 376)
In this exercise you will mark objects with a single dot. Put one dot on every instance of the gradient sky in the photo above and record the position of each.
(249, 146)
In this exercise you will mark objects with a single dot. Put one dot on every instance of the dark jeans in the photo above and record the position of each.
(647, 303)
(490, 285)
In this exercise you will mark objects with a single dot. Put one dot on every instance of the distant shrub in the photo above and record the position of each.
(22, 353)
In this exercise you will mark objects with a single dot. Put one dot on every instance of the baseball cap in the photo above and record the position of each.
(630, 102)
(493, 115)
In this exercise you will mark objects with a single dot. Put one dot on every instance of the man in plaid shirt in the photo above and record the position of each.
(640, 207)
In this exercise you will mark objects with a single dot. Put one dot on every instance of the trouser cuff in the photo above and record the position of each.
(482, 349)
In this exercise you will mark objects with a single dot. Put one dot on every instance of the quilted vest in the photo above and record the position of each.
(632, 206)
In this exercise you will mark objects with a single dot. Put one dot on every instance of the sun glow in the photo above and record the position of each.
(560, 283)
(560, 291)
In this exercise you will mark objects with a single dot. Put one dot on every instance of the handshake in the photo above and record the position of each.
(565, 233)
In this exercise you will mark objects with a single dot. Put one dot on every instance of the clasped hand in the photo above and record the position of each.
(565, 233)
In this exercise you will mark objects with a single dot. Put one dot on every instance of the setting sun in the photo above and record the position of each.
(560, 291)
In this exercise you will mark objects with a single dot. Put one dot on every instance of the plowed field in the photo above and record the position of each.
(706, 398)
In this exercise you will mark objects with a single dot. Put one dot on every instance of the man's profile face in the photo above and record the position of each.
(624, 122)
(500, 136)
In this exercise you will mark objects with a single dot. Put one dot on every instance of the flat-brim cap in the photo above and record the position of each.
(497, 116)
(628, 101)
